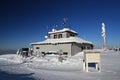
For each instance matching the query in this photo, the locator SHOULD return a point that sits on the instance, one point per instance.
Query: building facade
(65, 41)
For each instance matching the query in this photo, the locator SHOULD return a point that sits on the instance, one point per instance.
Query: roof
(63, 40)
(63, 30)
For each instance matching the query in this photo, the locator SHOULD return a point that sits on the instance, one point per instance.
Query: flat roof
(63, 40)
(63, 30)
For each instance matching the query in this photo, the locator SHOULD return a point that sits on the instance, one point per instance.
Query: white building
(64, 41)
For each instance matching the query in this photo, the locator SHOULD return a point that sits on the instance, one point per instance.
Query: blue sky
(24, 21)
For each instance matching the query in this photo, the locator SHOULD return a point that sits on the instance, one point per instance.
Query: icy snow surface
(13, 67)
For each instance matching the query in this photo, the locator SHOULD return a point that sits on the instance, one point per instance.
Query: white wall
(52, 47)
(76, 48)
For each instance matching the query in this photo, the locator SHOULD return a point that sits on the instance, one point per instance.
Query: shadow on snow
(10, 76)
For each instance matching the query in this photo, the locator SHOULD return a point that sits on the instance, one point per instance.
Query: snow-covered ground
(13, 67)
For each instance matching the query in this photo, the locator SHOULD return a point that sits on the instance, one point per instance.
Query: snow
(63, 30)
(11, 57)
(13, 67)
(64, 40)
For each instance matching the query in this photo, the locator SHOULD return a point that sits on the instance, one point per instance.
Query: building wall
(70, 48)
(65, 47)
(87, 46)
(63, 35)
(76, 48)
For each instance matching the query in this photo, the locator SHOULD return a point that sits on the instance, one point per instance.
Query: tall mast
(104, 36)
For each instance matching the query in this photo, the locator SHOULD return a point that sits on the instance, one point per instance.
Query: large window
(60, 36)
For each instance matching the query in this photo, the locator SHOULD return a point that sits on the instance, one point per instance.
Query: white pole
(104, 36)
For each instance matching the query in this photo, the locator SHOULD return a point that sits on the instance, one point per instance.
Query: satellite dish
(46, 37)
(53, 30)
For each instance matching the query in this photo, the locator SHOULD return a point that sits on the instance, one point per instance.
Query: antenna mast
(46, 32)
(64, 22)
(104, 35)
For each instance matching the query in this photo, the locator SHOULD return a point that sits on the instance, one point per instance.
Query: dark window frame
(37, 47)
(55, 36)
(60, 36)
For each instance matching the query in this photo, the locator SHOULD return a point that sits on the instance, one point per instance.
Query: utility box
(91, 57)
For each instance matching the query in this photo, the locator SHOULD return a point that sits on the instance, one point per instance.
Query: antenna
(64, 22)
(46, 32)
(56, 27)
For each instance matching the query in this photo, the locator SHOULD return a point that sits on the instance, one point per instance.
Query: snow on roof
(63, 40)
(63, 30)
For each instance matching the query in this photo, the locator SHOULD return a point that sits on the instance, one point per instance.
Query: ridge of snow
(63, 30)
(11, 57)
(63, 40)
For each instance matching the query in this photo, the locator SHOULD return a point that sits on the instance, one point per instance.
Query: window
(65, 53)
(60, 36)
(37, 47)
(67, 35)
(55, 36)
(72, 35)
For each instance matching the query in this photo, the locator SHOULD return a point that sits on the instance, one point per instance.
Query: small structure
(60, 58)
(24, 52)
(91, 57)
